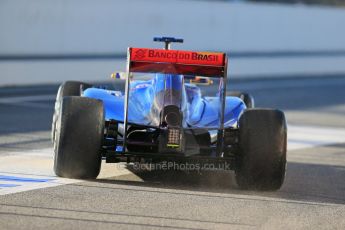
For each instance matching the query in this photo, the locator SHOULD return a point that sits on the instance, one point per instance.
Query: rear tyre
(261, 160)
(68, 88)
(246, 98)
(79, 136)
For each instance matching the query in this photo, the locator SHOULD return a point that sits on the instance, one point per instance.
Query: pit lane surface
(312, 197)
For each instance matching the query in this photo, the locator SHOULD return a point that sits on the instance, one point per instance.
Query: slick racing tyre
(68, 88)
(79, 136)
(261, 161)
(246, 98)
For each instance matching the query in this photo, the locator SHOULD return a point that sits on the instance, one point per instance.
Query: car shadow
(304, 183)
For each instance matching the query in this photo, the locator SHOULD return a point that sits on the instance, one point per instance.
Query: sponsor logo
(160, 54)
(204, 57)
(177, 56)
(140, 54)
(195, 56)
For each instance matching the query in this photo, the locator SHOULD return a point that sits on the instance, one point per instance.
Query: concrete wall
(110, 26)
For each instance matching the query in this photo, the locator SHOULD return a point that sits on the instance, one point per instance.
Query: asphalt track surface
(312, 197)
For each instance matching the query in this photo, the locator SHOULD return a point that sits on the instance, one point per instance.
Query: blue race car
(174, 108)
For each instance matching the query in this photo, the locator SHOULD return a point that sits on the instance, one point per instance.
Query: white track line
(300, 137)
(27, 182)
(30, 170)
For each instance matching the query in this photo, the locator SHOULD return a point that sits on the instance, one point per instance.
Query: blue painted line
(23, 179)
(8, 185)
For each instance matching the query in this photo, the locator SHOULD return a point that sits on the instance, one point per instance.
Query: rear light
(173, 138)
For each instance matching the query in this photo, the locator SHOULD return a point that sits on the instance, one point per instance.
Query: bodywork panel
(201, 111)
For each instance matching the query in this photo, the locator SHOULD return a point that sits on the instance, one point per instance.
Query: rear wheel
(68, 88)
(261, 160)
(79, 136)
(246, 98)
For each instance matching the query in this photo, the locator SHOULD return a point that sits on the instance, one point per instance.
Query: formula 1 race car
(174, 108)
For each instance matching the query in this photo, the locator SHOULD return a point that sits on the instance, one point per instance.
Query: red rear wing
(177, 62)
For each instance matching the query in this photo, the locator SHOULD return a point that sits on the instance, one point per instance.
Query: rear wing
(208, 64)
(183, 62)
